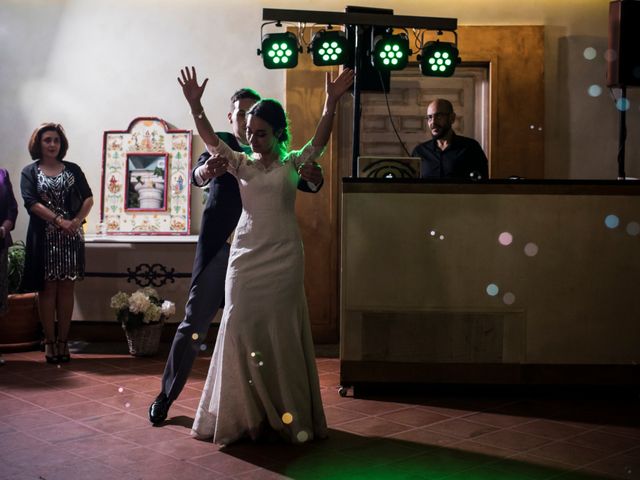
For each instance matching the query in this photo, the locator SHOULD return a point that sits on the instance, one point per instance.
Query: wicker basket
(144, 341)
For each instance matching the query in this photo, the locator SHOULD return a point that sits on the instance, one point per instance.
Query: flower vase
(144, 340)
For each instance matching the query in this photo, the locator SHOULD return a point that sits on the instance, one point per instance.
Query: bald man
(448, 155)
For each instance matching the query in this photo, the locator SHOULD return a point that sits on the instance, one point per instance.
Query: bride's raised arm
(193, 93)
(335, 89)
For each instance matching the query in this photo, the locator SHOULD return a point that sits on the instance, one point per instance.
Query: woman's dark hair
(35, 142)
(271, 111)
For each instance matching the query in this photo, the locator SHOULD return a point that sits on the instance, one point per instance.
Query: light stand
(359, 20)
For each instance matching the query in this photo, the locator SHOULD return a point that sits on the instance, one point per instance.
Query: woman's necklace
(51, 169)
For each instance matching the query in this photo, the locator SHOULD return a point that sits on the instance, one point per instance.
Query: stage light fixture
(390, 52)
(330, 48)
(438, 59)
(279, 50)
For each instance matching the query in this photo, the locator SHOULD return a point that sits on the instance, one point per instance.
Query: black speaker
(623, 57)
(371, 80)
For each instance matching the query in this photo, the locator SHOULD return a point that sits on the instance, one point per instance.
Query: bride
(262, 381)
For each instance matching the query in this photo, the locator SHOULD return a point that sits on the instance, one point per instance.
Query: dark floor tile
(373, 426)
(604, 441)
(65, 432)
(549, 429)
(512, 440)
(458, 427)
(84, 410)
(617, 466)
(576, 455)
(414, 417)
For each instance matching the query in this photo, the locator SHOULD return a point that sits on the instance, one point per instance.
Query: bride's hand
(336, 88)
(190, 88)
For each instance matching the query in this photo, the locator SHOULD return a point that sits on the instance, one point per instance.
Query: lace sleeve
(235, 158)
(306, 154)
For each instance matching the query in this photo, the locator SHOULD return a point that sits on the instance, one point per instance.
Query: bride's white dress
(263, 376)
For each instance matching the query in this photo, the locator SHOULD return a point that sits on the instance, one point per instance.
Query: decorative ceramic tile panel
(146, 188)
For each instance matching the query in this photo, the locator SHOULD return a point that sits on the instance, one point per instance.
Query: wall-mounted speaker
(623, 57)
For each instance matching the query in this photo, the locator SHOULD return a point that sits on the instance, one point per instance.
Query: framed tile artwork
(146, 188)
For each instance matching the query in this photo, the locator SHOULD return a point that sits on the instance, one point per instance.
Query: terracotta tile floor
(88, 420)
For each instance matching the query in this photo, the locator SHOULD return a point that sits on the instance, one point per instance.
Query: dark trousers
(205, 296)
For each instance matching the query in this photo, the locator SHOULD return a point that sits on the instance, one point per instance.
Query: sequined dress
(262, 381)
(63, 253)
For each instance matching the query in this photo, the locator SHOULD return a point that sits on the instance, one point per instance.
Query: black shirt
(462, 159)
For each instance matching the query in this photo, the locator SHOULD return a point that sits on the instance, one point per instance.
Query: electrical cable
(386, 98)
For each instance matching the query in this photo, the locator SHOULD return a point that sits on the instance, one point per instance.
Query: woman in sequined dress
(58, 198)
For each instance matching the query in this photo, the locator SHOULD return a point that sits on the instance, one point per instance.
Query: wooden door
(410, 94)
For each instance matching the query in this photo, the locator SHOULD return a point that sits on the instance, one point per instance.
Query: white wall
(94, 65)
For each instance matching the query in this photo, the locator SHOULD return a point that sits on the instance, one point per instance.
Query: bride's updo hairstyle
(271, 111)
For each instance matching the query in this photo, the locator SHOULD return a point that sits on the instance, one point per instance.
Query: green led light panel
(280, 50)
(439, 59)
(330, 48)
(391, 52)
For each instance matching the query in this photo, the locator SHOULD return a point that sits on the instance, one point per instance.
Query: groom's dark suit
(206, 293)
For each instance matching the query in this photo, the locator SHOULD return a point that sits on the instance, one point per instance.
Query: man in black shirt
(448, 155)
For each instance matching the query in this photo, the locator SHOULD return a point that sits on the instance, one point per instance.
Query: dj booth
(495, 282)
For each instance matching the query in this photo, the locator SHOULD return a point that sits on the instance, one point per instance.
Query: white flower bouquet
(142, 307)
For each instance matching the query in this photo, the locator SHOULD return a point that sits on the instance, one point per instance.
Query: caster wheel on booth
(342, 391)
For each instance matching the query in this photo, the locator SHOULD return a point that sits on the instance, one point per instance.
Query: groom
(219, 219)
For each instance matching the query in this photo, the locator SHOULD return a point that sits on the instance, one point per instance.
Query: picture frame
(146, 188)
(145, 182)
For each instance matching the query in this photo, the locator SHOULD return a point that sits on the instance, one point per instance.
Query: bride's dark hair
(271, 111)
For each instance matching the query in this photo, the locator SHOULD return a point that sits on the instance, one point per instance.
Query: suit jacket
(8, 205)
(222, 209)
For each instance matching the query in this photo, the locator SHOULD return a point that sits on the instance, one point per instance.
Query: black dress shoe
(64, 356)
(158, 409)
(53, 359)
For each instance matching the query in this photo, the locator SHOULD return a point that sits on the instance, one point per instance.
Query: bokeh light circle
(595, 90)
(633, 228)
(531, 249)
(509, 298)
(492, 289)
(610, 55)
(612, 221)
(287, 418)
(623, 104)
(256, 359)
(590, 53)
(505, 238)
